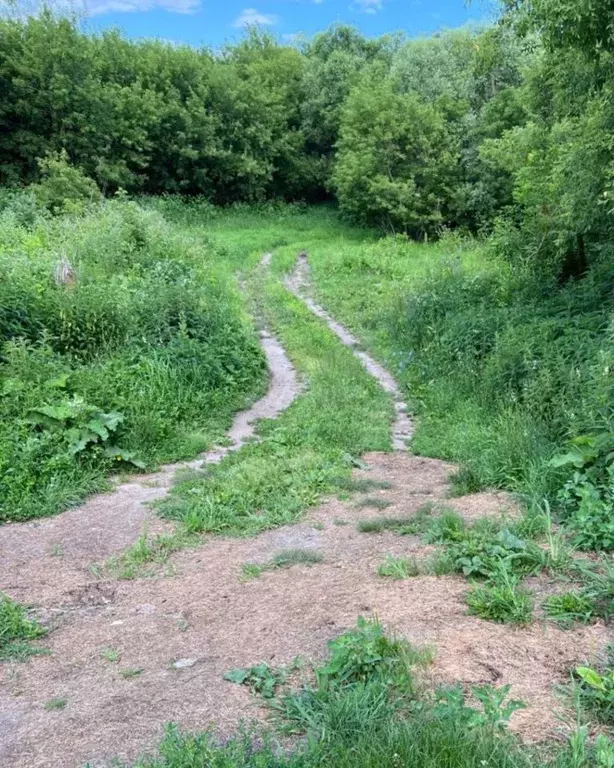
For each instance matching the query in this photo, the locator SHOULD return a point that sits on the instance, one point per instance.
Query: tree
(396, 162)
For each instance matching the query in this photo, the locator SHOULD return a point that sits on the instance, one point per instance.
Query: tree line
(507, 129)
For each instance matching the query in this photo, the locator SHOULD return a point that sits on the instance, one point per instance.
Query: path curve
(35, 555)
(299, 284)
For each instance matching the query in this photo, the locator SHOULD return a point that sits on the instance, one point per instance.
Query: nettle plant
(588, 496)
(85, 428)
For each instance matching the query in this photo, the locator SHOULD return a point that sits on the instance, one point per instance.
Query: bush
(64, 188)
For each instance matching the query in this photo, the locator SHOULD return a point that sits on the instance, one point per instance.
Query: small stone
(184, 663)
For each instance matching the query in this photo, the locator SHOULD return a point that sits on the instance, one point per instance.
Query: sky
(214, 22)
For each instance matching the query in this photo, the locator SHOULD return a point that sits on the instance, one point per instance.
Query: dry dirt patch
(206, 615)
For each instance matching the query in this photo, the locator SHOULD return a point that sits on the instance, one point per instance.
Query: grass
(154, 349)
(373, 502)
(111, 655)
(501, 601)
(365, 707)
(16, 631)
(308, 451)
(55, 705)
(568, 608)
(398, 568)
(418, 523)
(128, 673)
(287, 558)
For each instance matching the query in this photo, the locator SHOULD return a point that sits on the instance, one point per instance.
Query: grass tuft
(16, 630)
(398, 568)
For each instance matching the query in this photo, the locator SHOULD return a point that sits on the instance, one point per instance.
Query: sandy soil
(184, 631)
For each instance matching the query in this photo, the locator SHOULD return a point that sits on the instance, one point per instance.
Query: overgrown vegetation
(122, 345)
(305, 452)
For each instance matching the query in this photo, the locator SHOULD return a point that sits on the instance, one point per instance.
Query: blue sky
(213, 22)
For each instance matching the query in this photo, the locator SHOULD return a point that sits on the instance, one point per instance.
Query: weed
(147, 552)
(398, 567)
(361, 484)
(260, 679)
(596, 692)
(250, 571)
(465, 481)
(129, 672)
(448, 526)
(440, 563)
(54, 705)
(110, 655)
(405, 526)
(373, 502)
(501, 600)
(568, 608)
(290, 557)
(16, 629)
(287, 558)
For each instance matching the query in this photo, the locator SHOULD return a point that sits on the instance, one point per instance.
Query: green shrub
(64, 188)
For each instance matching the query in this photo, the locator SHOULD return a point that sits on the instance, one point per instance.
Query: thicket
(120, 345)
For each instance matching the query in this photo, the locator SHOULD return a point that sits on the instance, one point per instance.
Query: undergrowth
(122, 344)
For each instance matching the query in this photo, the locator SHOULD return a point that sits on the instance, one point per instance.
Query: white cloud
(100, 7)
(82, 8)
(250, 17)
(369, 6)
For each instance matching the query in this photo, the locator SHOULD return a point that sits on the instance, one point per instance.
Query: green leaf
(237, 675)
(95, 425)
(51, 415)
(591, 678)
(81, 440)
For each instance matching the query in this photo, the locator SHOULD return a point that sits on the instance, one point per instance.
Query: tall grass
(148, 326)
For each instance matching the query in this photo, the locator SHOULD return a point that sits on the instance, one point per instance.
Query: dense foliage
(119, 346)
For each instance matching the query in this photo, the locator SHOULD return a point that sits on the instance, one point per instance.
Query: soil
(183, 632)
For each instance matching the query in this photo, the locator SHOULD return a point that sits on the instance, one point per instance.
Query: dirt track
(206, 618)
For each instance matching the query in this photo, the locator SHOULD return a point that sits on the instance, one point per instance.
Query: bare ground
(206, 615)
(208, 620)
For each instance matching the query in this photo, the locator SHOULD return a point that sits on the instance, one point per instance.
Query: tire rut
(300, 285)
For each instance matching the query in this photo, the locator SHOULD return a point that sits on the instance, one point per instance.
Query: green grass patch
(308, 451)
(398, 568)
(373, 502)
(55, 705)
(501, 600)
(16, 630)
(128, 673)
(287, 558)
